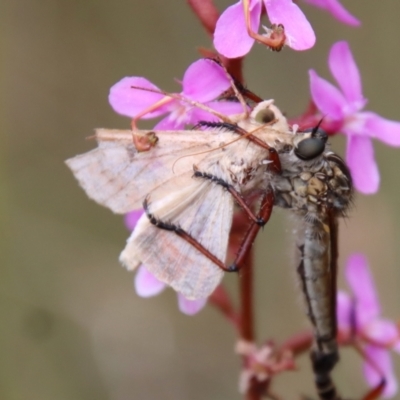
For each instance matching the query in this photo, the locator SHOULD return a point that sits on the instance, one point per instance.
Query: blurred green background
(71, 325)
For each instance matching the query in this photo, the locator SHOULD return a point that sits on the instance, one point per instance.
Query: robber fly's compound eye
(265, 116)
(313, 146)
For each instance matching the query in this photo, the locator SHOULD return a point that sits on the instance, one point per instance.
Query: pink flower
(359, 318)
(203, 81)
(147, 285)
(261, 363)
(336, 9)
(132, 218)
(343, 109)
(231, 37)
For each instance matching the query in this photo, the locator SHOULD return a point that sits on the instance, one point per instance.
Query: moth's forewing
(117, 176)
(202, 209)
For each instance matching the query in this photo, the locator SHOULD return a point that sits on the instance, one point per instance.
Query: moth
(188, 180)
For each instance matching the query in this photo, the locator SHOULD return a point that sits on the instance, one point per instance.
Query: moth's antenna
(178, 96)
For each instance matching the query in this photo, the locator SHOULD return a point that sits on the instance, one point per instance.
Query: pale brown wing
(117, 176)
(204, 210)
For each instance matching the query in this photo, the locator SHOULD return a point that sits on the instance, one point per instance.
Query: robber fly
(316, 187)
(188, 182)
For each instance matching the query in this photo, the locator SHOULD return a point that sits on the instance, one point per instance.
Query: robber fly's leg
(238, 88)
(235, 194)
(184, 235)
(273, 155)
(258, 220)
(264, 213)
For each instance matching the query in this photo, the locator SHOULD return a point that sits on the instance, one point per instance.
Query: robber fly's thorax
(311, 186)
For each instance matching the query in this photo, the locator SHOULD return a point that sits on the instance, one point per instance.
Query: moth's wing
(204, 210)
(117, 176)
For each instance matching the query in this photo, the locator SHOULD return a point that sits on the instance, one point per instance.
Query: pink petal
(383, 360)
(230, 36)
(204, 81)
(360, 280)
(382, 331)
(396, 347)
(327, 97)
(190, 307)
(344, 310)
(132, 218)
(224, 107)
(146, 284)
(382, 129)
(361, 161)
(337, 10)
(299, 33)
(202, 115)
(170, 123)
(345, 71)
(130, 102)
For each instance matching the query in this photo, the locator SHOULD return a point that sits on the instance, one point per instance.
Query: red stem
(206, 12)
(208, 15)
(246, 299)
(221, 300)
(247, 316)
(298, 343)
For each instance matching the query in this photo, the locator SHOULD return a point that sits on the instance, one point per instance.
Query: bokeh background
(71, 325)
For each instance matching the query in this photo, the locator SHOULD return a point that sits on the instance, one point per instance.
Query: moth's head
(310, 143)
(267, 113)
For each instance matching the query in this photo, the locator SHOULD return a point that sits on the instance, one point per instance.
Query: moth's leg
(235, 194)
(264, 213)
(273, 155)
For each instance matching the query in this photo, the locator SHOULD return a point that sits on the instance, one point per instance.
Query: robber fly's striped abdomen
(317, 191)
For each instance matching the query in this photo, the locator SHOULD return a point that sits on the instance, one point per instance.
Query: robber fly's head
(310, 143)
(315, 177)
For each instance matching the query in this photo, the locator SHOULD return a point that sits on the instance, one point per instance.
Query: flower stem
(208, 15)
(221, 300)
(246, 299)
(206, 12)
(247, 317)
